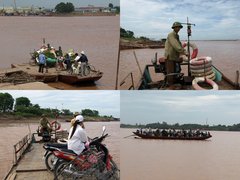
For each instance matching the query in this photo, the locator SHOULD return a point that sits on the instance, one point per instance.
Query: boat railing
(131, 87)
(21, 146)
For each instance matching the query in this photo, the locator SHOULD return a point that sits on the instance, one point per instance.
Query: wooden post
(138, 63)
(237, 79)
(116, 85)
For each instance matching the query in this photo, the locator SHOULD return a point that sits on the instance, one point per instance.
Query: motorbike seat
(56, 145)
(68, 151)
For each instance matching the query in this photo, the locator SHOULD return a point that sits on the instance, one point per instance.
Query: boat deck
(32, 165)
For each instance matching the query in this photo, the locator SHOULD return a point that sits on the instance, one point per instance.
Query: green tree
(117, 9)
(66, 112)
(23, 101)
(89, 112)
(64, 8)
(110, 5)
(6, 102)
(126, 34)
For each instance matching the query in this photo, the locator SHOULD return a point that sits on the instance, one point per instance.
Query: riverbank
(137, 43)
(11, 118)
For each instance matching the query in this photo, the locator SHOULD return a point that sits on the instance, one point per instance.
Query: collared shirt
(78, 140)
(83, 58)
(173, 47)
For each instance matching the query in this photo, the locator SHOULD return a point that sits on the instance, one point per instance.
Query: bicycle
(88, 69)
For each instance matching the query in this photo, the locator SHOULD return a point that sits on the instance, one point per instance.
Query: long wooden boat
(144, 136)
(76, 79)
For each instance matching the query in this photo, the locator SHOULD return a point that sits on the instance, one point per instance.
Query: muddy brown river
(97, 36)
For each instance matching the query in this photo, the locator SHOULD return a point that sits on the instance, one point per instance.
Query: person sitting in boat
(77, 136)
(173, 50)
(157, 132)
(42, 62)
(84, 60)
(164, 133)
(44, 124)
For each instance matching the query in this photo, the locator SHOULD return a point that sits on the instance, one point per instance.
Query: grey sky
(214, 19)
(53, 3)
(213, 107)
(106, 102)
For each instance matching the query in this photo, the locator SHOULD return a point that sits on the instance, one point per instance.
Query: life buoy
(55, 125)
(194, 49)
(202, 79)
(202, 74)
(201, 66)
(201, 70)
(201, 61)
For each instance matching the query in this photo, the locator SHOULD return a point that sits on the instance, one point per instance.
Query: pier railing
(21, 147)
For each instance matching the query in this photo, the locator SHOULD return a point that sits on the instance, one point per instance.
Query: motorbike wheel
(64, 170)
(49, 160)
(115, 172)
(112, 174)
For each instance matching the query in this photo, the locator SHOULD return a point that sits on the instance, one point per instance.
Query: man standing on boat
(84, 60)
(173, 49)
(42, 61)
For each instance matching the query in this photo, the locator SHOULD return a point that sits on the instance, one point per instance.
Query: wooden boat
(76, 79)
(28, 162)
(145, 136)
(147, 82)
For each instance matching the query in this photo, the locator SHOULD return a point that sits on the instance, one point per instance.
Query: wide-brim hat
(82, 52)
(177, 24)
(76, 113)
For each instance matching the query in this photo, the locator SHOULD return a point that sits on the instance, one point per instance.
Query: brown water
(225, 55)
(97, 36)
(217, 158)
(11, 133)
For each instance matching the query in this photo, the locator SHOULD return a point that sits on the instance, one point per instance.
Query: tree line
(164, 125)
(130, 35)
(22, 107)
(68, 7)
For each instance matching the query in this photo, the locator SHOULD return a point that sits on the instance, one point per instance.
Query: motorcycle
(50, 159)
(94, 162)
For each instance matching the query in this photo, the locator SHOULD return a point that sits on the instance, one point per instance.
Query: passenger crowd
(173, 132)
(72, 62)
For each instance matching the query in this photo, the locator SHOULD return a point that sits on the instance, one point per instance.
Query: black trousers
(41, 67)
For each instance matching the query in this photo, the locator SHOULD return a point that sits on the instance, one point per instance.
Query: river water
(12, 133)
(225, 55)
(217, 158)
(98, 36)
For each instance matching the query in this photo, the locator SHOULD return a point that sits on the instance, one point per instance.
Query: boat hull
(171, 138)
(76, 79)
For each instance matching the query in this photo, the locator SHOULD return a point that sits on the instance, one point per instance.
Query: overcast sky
(200, 107)
(106, 102)
(53, 3)
(214, 19)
